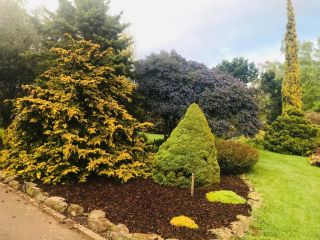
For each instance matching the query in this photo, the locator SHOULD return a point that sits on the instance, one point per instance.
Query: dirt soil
(146, 207)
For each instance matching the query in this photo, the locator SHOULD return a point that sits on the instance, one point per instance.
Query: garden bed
(146, 207)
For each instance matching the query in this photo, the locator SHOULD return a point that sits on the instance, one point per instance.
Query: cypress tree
(291, 133)
(291, 87)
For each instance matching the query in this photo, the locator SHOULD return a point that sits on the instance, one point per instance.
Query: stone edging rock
(58, 208)
(238, 229)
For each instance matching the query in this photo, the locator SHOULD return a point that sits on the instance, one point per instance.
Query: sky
(210, 31)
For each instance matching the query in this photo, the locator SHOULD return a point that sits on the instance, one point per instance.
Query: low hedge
(235, 157)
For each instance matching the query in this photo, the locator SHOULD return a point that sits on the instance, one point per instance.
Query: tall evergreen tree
(90, 20)
(291, 86)
(291, 133)
(95, 23)
(17, 35)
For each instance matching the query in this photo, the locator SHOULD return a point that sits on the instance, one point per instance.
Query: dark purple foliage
(168, 84)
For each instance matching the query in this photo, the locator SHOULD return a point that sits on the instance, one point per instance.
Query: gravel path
(20, 220)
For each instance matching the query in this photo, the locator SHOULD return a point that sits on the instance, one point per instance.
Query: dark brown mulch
(146, 207)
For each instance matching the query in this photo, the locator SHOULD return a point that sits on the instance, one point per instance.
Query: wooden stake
(192, 185)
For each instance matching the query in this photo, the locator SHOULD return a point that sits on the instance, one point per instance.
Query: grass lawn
(151, 137)
(291, 194)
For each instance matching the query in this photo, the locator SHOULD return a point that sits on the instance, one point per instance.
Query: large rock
(9, 179)
(56, 203)
(2, 176)
(120, 232)
(41, 197)
(222, 233)
(121, 228)
(141, 236)
(75, 210)
(15, 184)
(97, 221)
(114, 235)
(31, 189)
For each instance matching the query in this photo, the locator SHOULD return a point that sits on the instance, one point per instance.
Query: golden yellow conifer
(74, 123)
(291, 87)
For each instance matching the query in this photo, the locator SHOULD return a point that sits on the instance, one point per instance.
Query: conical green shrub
(189, 149)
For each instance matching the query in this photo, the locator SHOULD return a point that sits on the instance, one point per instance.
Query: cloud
(50, 4)
(209, 31)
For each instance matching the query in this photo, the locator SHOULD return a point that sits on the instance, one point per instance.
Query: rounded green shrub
(189, 149)
(235, 157)
(225, 196)
(292, 133)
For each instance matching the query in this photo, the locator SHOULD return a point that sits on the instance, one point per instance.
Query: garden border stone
(238, 229)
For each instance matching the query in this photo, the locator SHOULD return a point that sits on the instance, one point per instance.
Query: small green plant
(292, 133)
(189, 149)
(235, 157)
(183, 221)
(225, 196)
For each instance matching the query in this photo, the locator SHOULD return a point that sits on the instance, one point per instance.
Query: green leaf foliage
(72, 123)
(240, 68)
(309, 56)
(292, 133)
(271, 87)
(189, 149)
